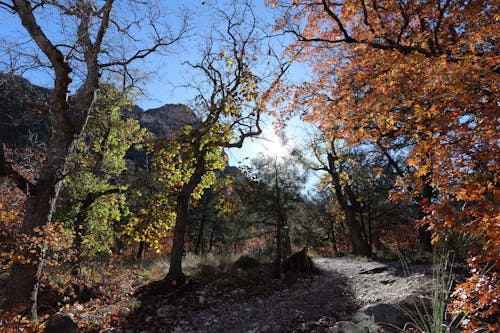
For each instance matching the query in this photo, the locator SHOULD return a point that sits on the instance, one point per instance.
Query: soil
(297, 304)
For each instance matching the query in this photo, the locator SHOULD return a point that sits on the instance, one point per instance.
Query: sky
(166, 72)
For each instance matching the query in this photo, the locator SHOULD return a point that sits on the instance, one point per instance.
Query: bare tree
(93, 33)
(231, 98)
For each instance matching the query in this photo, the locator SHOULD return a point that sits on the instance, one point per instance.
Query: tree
(93, 200)
(276, 202)
(327, 215)
(229, 104)
(425, 70)
(89, 50)
(346, 197)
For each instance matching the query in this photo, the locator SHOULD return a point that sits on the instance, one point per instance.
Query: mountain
(162, 122)
(24, 111)
(25, 107)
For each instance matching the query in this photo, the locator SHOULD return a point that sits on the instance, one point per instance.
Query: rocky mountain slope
(24, 111)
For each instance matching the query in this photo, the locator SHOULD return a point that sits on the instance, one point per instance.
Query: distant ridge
(24, 111)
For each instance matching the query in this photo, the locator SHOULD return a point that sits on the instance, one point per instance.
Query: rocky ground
(301, 304)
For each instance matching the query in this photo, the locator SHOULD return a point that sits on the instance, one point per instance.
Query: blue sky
(166, 73)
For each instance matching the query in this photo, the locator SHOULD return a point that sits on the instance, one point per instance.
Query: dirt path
(314, 304)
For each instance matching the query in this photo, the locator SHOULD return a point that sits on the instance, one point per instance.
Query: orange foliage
(422, 71)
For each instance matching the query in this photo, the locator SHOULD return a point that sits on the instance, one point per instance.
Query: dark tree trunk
(370, 238)
(212, 235)
(175, 270)
(279, 225)
(363, 227)
(182, 207)
(198, 249)
(359, 244)
(424, 235)
(332, 231)
(40, 204)
(140, 251)
(287, 246)
(65, 128)
(278, 256)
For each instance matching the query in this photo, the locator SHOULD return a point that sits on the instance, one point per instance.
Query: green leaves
(92, 197)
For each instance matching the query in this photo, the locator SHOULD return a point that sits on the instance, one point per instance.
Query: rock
(300, 262)
(61, 323)
(246, 263)
(345, 327)
(207, 270)
(389, 315)
(374, 270)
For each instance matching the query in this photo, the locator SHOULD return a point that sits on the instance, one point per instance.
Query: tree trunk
(198, 249)
(287, 246)
(370, 236)
(363, 227)
(182, 207)
(332, 231)
(140, 251)
(359, 244)
(424, 235)
(41, 201)
(212, 234)
(279, 225)
(278, 256)
(40, 204)
(175, 270)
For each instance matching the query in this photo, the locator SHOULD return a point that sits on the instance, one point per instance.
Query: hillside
(24, 111)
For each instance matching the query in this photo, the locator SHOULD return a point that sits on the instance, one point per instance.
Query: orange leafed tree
(425, 72)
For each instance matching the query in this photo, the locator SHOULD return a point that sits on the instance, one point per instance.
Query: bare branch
(7, 6)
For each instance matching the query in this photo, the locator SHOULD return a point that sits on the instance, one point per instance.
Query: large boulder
(61, 323)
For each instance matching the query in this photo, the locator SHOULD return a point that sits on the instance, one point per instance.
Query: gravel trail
(309, 305)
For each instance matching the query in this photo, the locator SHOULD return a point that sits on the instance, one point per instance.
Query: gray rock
(374, 270)
(60, 323)
(389, 315)
(246, 263)
(345, 327)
